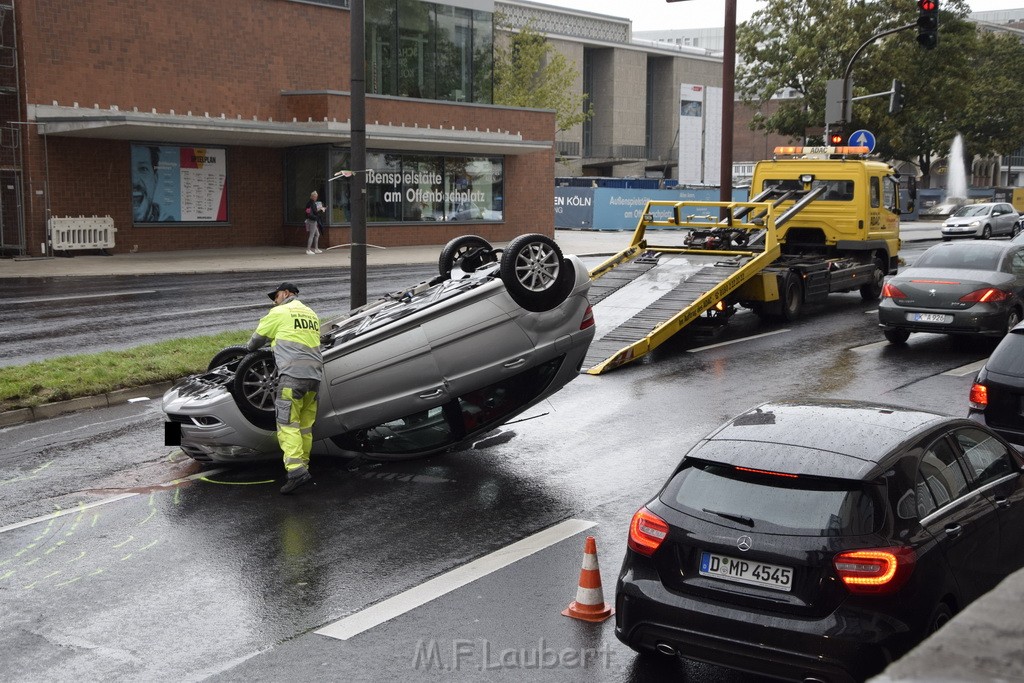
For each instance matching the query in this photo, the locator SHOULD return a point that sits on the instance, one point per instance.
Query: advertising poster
(179, 184)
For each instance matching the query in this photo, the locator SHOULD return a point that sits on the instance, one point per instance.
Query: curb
(45, 411)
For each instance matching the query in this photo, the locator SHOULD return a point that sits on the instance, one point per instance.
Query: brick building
(197, 124)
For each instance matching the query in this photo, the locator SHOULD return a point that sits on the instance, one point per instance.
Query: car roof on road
(829, 438)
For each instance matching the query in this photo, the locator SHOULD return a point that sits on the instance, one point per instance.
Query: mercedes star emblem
(744, 543)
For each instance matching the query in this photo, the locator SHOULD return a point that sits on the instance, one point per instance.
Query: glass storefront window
(430, 51)
(399, 187)
(454, 39)
(415, 49)
(305, 169)
(380, 21)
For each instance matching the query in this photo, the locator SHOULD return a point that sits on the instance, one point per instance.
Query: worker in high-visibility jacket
(293, 330)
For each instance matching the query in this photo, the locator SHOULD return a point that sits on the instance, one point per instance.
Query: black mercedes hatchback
(820, 540)
(997, 396)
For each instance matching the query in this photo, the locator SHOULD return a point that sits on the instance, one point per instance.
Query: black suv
(820, 540)
(997, 396)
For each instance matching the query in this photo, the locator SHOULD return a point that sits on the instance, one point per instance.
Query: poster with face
(172, 183)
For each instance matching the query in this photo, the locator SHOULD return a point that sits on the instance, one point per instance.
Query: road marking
(48, 299)
(868, 347)
(736, 341)
(398, 605)
(965, 370)
(105, 501)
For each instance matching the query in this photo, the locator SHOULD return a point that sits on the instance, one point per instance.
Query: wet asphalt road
(71, 315)
(220, 578)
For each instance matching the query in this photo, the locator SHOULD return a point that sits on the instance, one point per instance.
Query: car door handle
(433, 394)
(1002, 502)
(515, 363)
(953, 530)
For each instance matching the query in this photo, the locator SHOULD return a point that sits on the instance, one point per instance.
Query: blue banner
(609, 208)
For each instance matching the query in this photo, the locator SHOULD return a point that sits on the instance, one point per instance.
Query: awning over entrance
(114, 124)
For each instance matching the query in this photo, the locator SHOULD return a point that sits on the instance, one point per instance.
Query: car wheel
(792, 298)
(476, 248)
(940, 617)
(535, 274)
(1012, 319)
(897, 335)
(227, 356)
(1015, 231)
(873, 290)
(986, 232)
(255, 387)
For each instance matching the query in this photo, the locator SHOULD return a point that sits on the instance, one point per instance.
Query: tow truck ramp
(703, 259)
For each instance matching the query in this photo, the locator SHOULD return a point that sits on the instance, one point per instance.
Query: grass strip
(67, 377)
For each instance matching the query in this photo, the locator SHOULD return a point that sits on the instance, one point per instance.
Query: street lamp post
(357, 111)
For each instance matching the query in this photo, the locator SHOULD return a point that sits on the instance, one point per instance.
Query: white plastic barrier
(67, 234)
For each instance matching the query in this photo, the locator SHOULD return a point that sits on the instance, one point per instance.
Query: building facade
(196, 124)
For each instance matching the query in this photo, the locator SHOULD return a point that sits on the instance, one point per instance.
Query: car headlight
(975, 224)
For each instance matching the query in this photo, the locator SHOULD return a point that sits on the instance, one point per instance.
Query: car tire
(1015, 231)
(939, 618)
(1013, 318)
(255, 387)
(873, 290)
(226, 356)
(459, 248)
(535, 273)
(792, 298)
(986, 232)
(897, 335)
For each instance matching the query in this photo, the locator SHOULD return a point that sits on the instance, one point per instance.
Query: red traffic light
(835, 139)
(928, 5)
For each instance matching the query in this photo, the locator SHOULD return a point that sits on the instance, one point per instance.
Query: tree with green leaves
(529, 72)
(968, 84)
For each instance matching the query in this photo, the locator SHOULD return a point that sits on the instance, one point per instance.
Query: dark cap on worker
(283, 287)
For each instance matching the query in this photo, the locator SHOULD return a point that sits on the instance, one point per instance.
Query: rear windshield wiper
(728, 515)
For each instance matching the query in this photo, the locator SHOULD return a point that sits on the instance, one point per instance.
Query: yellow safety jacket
(293, 330)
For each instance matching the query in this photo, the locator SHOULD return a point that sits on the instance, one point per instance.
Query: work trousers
(295, 407)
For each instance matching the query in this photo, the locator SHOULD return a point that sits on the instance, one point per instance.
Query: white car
(980, 221)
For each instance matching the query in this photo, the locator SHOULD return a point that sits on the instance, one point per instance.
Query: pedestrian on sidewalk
(315, 211)
(293, 331)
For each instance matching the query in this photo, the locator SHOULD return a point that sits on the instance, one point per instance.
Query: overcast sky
(650, 15)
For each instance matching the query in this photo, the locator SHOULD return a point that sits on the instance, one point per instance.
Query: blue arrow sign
(863, 138)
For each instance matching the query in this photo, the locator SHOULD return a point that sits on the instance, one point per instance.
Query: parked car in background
(418, 372)
(980, 221)
(997, 395)
(956, 288)
(1018, 226)
(820, 540)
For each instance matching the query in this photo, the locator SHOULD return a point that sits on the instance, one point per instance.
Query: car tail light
(979, 396)
(890, 291)
(768, 472)
(875, 570)
(588, 318)
(986, 295)
(646, 532)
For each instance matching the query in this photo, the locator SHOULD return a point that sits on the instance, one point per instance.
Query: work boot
(303, 477)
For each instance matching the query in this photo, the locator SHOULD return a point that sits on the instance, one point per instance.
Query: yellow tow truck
(822, 220)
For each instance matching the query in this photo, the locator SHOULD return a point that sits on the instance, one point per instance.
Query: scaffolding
(12, 216)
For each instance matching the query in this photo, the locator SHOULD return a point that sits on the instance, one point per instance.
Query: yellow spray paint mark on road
(8, 575)
(125, 542)
(149, 545)
(76, 559)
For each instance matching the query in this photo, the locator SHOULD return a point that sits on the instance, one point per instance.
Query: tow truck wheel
(535, 273)
(897, 335)
(792, 298)
(476, 248)
(255, 387)
(873, 289)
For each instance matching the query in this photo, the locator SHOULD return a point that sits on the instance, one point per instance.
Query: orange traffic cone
(589, 604)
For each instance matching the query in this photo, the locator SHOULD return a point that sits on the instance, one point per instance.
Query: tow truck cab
(859, 211)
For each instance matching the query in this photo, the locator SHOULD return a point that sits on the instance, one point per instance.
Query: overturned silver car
(420, 371)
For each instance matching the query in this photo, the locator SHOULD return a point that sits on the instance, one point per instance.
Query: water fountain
(956, 185)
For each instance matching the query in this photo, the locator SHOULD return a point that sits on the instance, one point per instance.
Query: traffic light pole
(845, 117)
